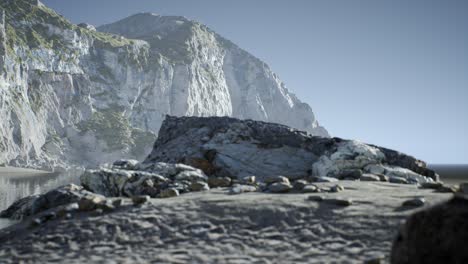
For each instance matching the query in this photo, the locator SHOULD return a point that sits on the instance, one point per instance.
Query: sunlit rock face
(72, 95)
(229, 147)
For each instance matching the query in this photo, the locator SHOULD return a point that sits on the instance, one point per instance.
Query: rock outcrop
(223, 146)
(434, 235)
(72, 95)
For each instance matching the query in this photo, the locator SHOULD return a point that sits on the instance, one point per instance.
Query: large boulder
(223, 146)
(434, 235)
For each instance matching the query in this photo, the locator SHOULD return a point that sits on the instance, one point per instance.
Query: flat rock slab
(215, 227)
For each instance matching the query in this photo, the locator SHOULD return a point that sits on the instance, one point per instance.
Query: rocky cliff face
(72, 95)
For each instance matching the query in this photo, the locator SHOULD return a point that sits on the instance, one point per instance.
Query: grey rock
(279, 187)
(448, 188)
(248, 180)
(399, 180)
(310, 188)
(431, 185)
(353, 174)
(199, 186)
(240, 188)
(369, 177)
(434, 235)
(140, 199)
(340, 201)
(324, 179)
(274, 179)
(125, 164)
(215, 182)
(91, 202)
(168, 193)
(416, 202)
(299, 185)
(337, 188)
(315, 198)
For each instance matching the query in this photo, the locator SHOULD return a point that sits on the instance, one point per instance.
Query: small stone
(324, 179)
(383, 178)
(199, 186)
(337, 188)
(299, 185)
(369, 177)
(315, 198)
(417, 202)
(36, 221)
(448, 189)
(310, 188)
(399, 180)
(279, 187)
(274, 179)
(68, 216)
(117, 202)
(98, 211)
(215, 182)
(354, 174)
(248, 180)
(431, 185)
(240, 188)
(169, 192)
(340, 201)
(140, 199)
(90, 203)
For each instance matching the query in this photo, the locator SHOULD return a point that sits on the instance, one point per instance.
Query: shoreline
(21, 172)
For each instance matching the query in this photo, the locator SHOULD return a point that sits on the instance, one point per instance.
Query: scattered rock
(315, 198)
(350, 174)
(248, 180)
(169, 192)
(369, 177)
(434, 235)
(240, 188)
(448, 189)
(324, 179)
(299, 185)
(125, 164)
(337, 188)
(141, 199)
(310, 188)
(431, 185)
(417, 202)
(340, 201)
(399, 180)
(279, 187)
(275, 179)
(91, 202)
(117, 202)
(199, 186)
(215, 182)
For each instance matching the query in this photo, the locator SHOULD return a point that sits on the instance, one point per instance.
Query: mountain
(71, 94)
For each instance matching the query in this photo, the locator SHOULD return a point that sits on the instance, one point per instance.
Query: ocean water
(451, 173)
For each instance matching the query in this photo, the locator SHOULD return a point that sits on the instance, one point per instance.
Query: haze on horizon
(391, 73)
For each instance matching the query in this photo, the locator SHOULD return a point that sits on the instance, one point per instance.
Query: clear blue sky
(392, 73)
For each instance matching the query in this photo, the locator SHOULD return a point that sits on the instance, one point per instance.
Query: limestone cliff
(72, 95)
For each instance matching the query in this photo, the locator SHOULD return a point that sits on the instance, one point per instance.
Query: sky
(391, 73)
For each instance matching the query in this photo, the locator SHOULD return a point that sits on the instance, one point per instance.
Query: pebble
(199, 186)
(340, 201)
(310, 188)
(274, 179)
(315, 198)
(399, 180)
(337, 188)
(325, 179)
(140, 199)
(417, 202)
(299, 185)
(240, 188)
(169, 192)
(249, 180)
(279, 187)
(431, 185)
(369, 177)
(215, 182)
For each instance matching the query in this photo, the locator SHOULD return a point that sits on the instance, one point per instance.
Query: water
(451, 173)
(19, 183)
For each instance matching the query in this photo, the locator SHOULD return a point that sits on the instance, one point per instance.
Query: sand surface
(215, 227)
